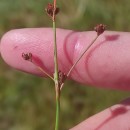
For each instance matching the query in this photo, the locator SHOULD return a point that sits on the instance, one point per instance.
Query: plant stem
(56, 79)
(42, 70)
(55, 54)
(81, 56)
(57, 106)
(45, 72)
(56, 75)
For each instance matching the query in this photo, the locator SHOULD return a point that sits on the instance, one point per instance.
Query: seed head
(27, 56)
(62, 77)
(100, 28)
(51, 10)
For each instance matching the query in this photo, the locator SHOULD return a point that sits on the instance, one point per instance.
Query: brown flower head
(51, 11)
(100, 28)
(62, 77)
(27, 56)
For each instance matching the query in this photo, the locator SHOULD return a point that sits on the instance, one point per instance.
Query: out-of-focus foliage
(28, 102)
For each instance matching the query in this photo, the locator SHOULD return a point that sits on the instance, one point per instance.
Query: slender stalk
(57, 107)
(55, 54)
(81, 55)
(55, 45)
(56, 79)
(56, 76)
(54, 3)
(45, 72)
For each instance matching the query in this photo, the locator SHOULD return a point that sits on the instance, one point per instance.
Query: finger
(116, 117)
(106, 64)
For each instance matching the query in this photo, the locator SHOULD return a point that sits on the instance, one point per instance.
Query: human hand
(106, 64)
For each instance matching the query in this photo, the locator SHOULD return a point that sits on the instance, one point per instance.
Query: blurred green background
(28, 102)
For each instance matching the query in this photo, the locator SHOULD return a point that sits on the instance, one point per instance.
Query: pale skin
(106, 64)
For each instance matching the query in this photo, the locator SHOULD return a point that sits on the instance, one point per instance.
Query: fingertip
(16, 42)
(39, 42)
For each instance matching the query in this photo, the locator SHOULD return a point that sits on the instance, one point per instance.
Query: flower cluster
(51, 11)
(100, 28)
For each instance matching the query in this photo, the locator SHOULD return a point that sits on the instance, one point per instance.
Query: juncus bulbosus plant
(59, 77)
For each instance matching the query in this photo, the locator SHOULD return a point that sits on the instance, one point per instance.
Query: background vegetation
(26, 101)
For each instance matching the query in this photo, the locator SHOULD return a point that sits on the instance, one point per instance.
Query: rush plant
(59, 77)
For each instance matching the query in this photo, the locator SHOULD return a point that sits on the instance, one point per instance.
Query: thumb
(116, 117)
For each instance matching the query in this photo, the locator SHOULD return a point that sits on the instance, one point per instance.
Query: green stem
(57, 108)
(81, 56)
(56, 75)
(56, 79)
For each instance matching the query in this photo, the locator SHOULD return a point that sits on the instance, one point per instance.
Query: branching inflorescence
(59, 77)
